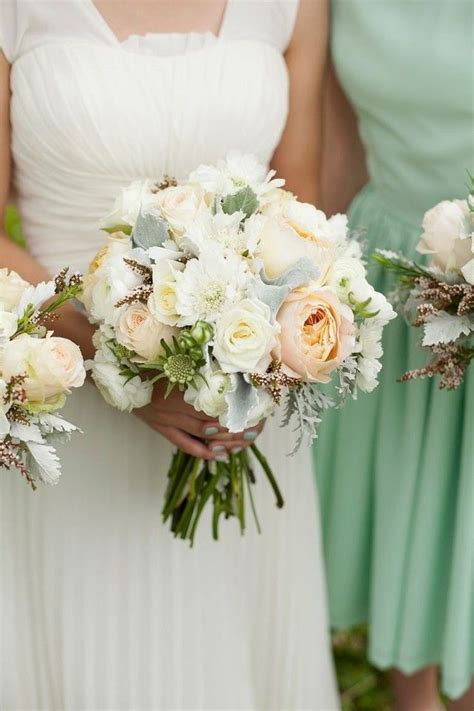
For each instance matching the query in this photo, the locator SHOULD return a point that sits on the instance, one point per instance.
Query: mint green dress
(395, 468)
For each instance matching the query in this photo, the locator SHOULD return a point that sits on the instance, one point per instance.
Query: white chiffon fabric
(100, 607)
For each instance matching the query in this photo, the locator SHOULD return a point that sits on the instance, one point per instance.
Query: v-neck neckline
(106, 26)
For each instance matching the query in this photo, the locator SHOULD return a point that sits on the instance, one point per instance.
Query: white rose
(139, 331)
(245, 337)
(132, 199)
(299, 230)
(209, 397)
(180, 205)
(444, 227)
(12, 287)
(114, 388)
(52, 365)
(275, 202)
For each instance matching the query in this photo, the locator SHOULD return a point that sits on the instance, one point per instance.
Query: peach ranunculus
(317, 333)
(138, 330)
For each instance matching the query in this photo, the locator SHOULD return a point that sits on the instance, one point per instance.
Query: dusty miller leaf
(43, 462)
(240, 400)
(274, 292)
(445, 328)
(243, 201)
(149, 231)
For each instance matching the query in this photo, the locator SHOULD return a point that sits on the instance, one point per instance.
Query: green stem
(266, 468)
(204, 498)
(174, 500)
(248, 478)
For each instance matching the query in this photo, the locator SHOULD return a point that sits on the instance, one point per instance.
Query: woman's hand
(193, 432)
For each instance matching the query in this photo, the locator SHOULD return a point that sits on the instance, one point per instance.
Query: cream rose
(244, 338)
(443, 228)
(299, 231)
(317, 333)
(12, 287)
(52, 365)
(138, 330)
(162, 302)
(180, 205)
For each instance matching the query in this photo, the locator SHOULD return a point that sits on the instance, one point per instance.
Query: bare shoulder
(310, 33)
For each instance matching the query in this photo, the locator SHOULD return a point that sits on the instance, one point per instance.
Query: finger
(189, 424)
(183, 441)
(175, 403)
(218, 447)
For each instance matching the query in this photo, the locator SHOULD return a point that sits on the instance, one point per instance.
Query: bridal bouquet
(37, 371)
(230, 289)
(440, 298)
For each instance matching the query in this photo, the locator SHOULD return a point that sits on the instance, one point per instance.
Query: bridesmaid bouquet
(230, 289)
(440, 298)
(37, 371)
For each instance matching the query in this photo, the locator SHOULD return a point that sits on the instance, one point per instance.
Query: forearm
(71, 323)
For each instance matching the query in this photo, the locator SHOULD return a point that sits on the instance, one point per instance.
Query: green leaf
(126, 229)
(245, 201)
(149, 231)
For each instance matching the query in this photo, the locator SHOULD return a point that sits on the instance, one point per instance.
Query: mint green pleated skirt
(396, 482)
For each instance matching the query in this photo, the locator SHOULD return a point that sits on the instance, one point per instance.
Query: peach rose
(317, 333)
(138, 330)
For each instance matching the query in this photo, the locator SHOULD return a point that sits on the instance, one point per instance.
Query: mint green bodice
(415, 107)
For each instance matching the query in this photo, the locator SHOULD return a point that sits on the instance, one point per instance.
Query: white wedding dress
(101, 608)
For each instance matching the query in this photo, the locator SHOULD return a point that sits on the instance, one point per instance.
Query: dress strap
(269, 21)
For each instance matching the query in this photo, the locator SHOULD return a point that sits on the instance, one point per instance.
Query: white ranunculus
(209, 397)
(52, 365)
(139, 331)
(135, 197)
(245, 337)
(114, 388)
(347, 277)
(162, 302)
(208, 286)
(444, 228)
(180, 205)
(12, 287)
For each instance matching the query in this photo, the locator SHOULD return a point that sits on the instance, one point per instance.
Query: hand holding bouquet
(440, 298)
(37, 371)
(228, 288)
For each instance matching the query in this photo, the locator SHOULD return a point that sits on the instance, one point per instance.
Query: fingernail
(250, 436)
(218, 448)
(222, 459)
(209, 431)
(236, 450)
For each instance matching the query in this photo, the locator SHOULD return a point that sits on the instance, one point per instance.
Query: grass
(362, 687)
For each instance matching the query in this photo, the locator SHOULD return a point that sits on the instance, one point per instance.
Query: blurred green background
(362, 687)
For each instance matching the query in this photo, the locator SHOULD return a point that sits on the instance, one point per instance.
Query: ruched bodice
(89, 118)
